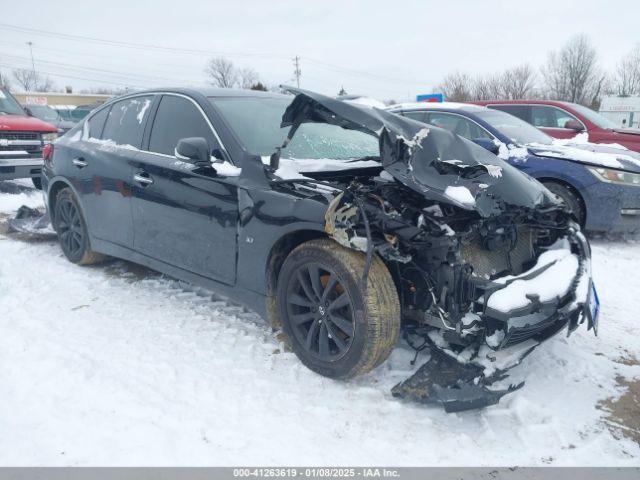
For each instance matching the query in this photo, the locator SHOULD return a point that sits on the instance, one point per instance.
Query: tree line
(572, 74)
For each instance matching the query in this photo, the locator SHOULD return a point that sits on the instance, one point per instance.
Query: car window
(256, 121)
(549, 117)
(457, 124)
(96, 123)
(177, 118)
(419, 116)
(126, 120)
(523, 112)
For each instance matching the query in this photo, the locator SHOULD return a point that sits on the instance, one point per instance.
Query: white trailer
(622, 110)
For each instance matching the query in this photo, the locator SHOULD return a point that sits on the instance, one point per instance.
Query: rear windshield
(256, 123)
(518, 131)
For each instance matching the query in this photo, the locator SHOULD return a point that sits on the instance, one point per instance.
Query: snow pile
(416, 141)
(511, 151)
(582, 139)
(225, 169)
(553, 282)
(461, 195)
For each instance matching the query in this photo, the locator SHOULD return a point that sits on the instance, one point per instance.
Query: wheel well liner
(573, 189)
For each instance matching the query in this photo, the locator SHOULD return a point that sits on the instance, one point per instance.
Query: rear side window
(523, 112)
(177, 118)
(96, 123)
(126, 121)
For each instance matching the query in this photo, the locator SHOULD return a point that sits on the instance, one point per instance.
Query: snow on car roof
(434, 105)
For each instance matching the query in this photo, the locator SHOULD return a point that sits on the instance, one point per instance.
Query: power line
(143, 46)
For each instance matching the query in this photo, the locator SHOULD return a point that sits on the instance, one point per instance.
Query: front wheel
(335, 328)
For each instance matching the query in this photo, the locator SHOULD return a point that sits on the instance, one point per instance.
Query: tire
(333, 328)
(570, 199)
(37, 182)
(72, 230)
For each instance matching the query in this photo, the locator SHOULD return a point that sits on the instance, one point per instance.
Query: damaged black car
(345, 225)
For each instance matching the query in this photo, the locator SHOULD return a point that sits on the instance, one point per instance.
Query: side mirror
(487, 144)
(28, 111)
(193, 150)
(574, 125)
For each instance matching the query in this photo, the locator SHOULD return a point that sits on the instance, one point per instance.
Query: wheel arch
(569, 186)
(277, 255)
(54, 188)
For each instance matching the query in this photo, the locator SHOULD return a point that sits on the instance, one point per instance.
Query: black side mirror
(487, 144)
(194, 150)
(574, 125)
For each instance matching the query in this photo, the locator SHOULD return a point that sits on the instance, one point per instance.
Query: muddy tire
(71, 228)
(333, 327)
(570, 199)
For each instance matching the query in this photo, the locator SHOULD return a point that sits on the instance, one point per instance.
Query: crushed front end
(485, 259)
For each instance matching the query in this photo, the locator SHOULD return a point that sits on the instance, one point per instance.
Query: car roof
(522, 102)
(210, 92)
(435, 106)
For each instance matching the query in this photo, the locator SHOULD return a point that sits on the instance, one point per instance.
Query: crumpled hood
(442, 166)
(598, 155)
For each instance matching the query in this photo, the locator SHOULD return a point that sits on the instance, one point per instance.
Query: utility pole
(33, 64)
(297, 72)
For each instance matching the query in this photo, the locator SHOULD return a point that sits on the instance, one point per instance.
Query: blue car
(600, 183)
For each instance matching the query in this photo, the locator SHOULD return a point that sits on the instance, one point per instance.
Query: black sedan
(340, 223)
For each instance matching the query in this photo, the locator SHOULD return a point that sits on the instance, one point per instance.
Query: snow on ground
(117, 365)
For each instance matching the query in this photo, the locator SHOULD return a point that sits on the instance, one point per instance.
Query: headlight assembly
(615, 176)
(49, 137)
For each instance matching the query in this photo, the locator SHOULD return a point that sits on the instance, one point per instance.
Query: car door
(184, 216)
(111, 139)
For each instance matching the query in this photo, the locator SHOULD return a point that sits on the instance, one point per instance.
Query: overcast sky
(390, 49)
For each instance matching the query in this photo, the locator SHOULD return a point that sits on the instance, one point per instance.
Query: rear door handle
(143, 178)
(79, 162)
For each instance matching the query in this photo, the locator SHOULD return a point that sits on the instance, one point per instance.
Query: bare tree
(627, 76)
(572, 74)
(221, 72)
(32, 81)
(4, 80)
(247, 77)
(457, 87)
(487, 88)
(518, 82)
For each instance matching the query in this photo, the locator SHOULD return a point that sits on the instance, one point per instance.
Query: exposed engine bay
(484, 258)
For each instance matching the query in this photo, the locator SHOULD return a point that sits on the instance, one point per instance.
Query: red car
(22, 139)
(566, 120)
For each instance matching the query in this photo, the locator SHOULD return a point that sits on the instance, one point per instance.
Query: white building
(623, 110)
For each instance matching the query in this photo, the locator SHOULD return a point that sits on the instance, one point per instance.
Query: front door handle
(143, 178)
(79, 162)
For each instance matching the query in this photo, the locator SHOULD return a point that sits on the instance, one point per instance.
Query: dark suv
(341, 223)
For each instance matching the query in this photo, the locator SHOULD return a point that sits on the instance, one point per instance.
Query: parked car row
(24, 133)
(601, 184)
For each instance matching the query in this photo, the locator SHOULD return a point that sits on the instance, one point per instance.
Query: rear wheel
(335, 328)
(72, 230)
(570, 199)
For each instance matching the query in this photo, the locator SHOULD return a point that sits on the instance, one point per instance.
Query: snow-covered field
(116, 365)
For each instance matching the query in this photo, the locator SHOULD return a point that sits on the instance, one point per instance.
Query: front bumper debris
(456, 386)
